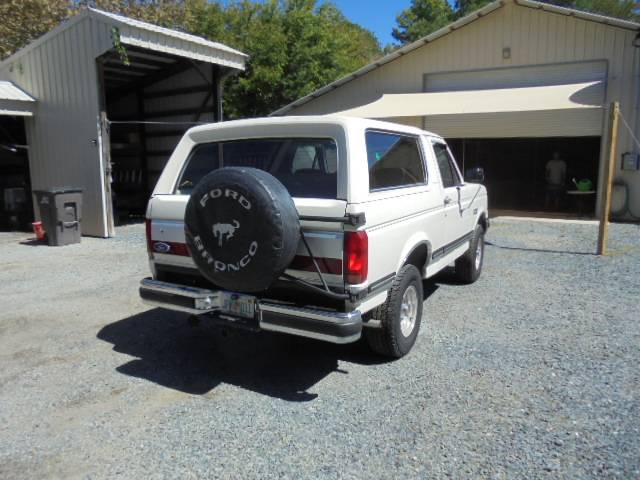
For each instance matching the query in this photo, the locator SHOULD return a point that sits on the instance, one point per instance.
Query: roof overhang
(523, 99)
(155, 38)
(15, 101)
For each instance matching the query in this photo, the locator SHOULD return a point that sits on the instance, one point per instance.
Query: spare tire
(242, 228)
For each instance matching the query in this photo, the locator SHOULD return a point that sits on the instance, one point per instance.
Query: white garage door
(530, 123)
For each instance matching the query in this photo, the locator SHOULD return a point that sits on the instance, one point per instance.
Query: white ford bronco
(318, 226)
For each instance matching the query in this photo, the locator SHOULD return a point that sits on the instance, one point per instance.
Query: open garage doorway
(16, 208)
(150, 99)
(515, 173)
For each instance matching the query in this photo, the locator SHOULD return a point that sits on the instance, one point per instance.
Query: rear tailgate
(320, 223)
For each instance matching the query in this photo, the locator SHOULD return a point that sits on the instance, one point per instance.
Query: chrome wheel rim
(479, 250)
(409, 310)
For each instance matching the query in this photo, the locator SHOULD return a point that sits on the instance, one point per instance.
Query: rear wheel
(399, 316)
(469, 265)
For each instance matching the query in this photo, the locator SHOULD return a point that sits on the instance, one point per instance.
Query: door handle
(447, 200)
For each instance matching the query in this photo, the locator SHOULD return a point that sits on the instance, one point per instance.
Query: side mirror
(475, 175)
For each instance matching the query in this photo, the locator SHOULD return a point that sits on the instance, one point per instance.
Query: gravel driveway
(532, 372)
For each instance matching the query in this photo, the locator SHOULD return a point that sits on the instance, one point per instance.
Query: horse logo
(224, 231)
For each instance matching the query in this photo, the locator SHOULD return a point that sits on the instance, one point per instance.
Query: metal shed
(507, 86)
(112, 97)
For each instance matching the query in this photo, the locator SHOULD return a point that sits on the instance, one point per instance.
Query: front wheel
(469, 265)
(399, 316)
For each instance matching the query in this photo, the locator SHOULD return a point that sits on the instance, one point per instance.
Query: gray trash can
(61, 214)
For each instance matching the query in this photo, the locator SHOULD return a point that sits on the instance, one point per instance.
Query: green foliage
(117, 44)
(26, 20)
(422, 18)
(295, 47)
(625, 9)
(426, 16)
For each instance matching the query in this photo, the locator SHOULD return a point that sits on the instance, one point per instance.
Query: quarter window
(448, 172)
(394, 160)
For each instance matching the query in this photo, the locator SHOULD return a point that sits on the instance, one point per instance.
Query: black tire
(389, 340)
(242, 228)
(468, 269)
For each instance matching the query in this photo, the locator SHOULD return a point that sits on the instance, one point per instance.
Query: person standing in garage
(555, 175)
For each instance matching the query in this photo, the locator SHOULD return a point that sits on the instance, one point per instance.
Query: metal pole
(106, 158)
(605, 207)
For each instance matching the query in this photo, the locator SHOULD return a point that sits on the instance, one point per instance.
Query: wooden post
(605, 202)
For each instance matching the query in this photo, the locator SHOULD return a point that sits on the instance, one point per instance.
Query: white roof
(141, 34)
(8, 91)
(14, 101)
(114, 17)
(472, 17)
(538, 98)
(333, 119)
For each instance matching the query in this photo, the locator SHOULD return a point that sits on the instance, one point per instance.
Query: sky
(379, 16)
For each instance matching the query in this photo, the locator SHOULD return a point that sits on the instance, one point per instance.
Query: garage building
(99, 103)
(508, 86)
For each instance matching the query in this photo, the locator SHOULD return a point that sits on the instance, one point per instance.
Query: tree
(625, 9)
(25, 20)
(295, 47)
(421, 18)
(426, 16)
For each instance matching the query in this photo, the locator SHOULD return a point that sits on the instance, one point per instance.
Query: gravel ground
(532, 372)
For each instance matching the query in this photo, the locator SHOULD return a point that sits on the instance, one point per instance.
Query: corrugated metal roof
(8, 91)
(152, 37)
(164, 31)
(15, 101)
(487, 9)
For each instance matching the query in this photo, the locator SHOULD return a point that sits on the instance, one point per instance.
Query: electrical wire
(138, 122)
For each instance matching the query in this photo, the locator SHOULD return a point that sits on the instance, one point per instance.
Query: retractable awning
(14, 101)
(524, 99)
(551, 110)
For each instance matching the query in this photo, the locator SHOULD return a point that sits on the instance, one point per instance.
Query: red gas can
(38, 230)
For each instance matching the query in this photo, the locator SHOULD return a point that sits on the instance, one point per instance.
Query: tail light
(356, 257)
(157, 246)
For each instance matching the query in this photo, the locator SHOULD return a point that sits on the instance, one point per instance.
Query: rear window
(394, 160)
(307, 167)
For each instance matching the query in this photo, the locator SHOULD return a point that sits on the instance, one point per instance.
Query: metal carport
(97, 67)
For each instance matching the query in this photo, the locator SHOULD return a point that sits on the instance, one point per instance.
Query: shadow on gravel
(34, 243)
(196, 359)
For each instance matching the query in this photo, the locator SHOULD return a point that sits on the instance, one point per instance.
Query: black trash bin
(61, 214)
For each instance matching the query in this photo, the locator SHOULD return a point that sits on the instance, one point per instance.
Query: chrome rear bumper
(327, 325)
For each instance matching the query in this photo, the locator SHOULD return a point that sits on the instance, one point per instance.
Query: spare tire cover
(242, 228)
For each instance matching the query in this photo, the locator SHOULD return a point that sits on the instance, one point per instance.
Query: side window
(448, 172)
(394, 160)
